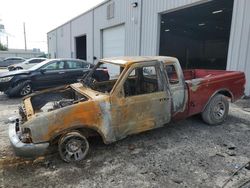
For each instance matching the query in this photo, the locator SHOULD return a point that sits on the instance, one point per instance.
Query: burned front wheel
(73, 147)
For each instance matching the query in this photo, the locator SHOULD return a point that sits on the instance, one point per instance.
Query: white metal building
(212, 34)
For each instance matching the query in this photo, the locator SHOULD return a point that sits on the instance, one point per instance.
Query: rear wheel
(73, 147)
(216, 111)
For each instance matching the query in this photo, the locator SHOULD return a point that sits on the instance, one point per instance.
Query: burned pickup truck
(142, 93)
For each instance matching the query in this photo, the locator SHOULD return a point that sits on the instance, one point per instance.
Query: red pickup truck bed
(202, 85)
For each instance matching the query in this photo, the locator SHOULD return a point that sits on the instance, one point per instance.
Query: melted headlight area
(25, 135)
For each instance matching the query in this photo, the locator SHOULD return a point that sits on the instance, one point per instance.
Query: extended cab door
(142, 101)
(177, 86)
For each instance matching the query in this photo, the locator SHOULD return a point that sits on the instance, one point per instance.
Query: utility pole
(7, 40)
(1, 30)
(24, 32)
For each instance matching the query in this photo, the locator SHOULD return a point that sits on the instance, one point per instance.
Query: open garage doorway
(81, 47)
(199, 35)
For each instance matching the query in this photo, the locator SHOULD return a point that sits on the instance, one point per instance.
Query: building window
(111, 11)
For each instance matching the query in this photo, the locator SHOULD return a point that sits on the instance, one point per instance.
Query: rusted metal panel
(140, 113)
(87, 114)
(28, 108)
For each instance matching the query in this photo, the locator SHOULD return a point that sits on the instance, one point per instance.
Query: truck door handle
(61, 72)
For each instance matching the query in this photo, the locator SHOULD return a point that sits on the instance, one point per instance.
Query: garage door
(113, 46)
(113, 41)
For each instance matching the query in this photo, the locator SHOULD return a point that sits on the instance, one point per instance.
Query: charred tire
(216, 110)
(21, 89)
(73, 147)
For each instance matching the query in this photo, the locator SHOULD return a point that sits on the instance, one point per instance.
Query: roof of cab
(129, 60)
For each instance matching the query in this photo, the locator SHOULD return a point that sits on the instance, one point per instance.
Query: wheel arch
(86, 130)
(225, 92)
(18, 80)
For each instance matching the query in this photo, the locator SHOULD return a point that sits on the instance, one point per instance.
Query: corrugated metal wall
(142, 30)
(239, 47)
(91, 24)
(124, 14)
(59, 42)
(52, 44)
(151, 10)
(83, 25)
(63, 41)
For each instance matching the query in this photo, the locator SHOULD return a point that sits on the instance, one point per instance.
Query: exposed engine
(52, 100)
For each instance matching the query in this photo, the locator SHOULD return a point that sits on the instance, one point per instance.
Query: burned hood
(84, 90)
(52, 99)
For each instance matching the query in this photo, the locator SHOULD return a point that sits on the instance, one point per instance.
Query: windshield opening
(103, 77)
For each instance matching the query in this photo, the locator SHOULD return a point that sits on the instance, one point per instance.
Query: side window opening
(173, 76)
(73, 65)
(86, 65)
(142, 80)
(55, 66)
(32, 61)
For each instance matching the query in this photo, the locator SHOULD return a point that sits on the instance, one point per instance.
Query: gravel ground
(188, 153)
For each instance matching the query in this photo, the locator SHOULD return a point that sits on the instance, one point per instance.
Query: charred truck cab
(142, 93)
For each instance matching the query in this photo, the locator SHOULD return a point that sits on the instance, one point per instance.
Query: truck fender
(87, 130)
(224, 91)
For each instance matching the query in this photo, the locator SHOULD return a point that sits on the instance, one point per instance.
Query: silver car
(26, 64)
(11, 60)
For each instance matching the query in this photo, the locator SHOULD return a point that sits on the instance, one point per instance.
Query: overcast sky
(40, 17)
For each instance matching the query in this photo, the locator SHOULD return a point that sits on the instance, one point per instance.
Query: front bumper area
(4, 86)
(25, 150)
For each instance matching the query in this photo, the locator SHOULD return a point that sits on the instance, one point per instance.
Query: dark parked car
(11, 60)
(49, 73)
(26, 64)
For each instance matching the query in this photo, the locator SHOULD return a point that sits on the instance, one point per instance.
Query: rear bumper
(21, 149)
